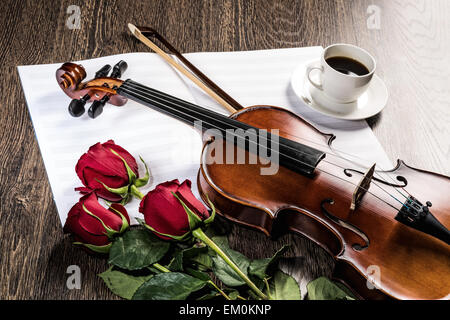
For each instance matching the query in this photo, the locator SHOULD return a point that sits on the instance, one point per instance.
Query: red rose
(171, 211)
(94, 226)
(109, 170)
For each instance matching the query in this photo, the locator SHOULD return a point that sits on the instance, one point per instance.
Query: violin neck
(177, 108)
(291, 154)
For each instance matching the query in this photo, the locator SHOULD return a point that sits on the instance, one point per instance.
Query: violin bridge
(362, 187)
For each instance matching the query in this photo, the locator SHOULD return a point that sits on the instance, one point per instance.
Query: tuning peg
(76, 106)
(118, 69)
(103, 72)
(97, 107)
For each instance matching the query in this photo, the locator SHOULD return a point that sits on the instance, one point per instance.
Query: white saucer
(369, 104)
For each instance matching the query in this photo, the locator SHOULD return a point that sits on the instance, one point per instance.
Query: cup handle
(308, 72)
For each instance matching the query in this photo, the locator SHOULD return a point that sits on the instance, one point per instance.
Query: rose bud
(110, 171)
(171, 211)
(94, 226)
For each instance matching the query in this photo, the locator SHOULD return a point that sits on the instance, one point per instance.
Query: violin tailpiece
(418, 216)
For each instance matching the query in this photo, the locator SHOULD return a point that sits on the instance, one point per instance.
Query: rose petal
(121, 209)
(92, 224)
(111, 182)
(102, 161)
(109, 196)
(163, 212)
(72, 218)
(83, 190)
(130, 160)
(80, 234)
(185, 194)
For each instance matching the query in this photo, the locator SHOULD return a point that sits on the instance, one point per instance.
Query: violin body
(367, 243)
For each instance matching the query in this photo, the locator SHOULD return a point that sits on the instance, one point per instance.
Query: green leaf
(198, 274)
(183, 256)
(168, 286)
(196, 249)
(283, 287)
(176, 264)
(122, 284)
(222, 270)
(260, 267)
(221, 241)
(144, 180)
(324, 289)
(350, 295)
(99, 249)
(233, 294)
(202, 261)
(137, 249)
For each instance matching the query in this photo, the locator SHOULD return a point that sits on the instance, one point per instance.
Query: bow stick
(210, 88)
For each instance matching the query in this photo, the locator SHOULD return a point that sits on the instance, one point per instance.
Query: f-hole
(346, 225)
(402, 179)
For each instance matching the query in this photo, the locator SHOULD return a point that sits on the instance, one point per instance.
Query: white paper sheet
(170, 148)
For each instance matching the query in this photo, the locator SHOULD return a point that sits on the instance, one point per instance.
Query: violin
(388, 227)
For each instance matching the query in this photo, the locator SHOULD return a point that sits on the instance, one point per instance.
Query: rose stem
(135, 192)
(219, 290)
(160, 267)
(199, 234)
(164, 269)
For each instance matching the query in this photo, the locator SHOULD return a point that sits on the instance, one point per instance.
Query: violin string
(377, 172)
(164, 98)
(194, 107)
(328, 153)
(376, 196)
(134, 92)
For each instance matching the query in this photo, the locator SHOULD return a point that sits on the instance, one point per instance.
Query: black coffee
(347, 65)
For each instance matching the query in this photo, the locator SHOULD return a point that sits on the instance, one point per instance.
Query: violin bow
(192, 73)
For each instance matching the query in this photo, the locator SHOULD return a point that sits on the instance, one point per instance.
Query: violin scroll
(99, 91)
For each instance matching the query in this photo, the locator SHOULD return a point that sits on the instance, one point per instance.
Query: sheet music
(170, 148)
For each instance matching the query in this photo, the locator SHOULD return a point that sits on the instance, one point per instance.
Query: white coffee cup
(338, 86)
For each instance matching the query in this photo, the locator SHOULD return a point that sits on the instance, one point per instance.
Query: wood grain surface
(411, 47)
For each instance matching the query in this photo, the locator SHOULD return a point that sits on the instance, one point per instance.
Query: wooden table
(410, 41)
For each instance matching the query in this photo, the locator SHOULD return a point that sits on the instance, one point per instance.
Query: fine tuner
(70, 77)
